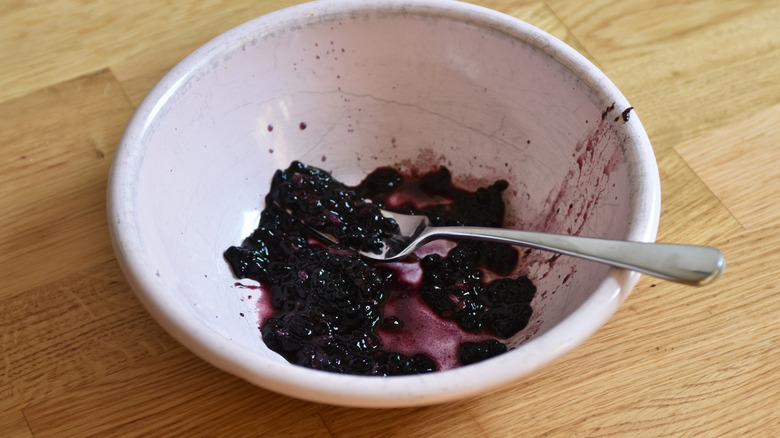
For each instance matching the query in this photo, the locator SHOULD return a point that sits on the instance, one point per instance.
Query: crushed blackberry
(453, 286)
(328, 302)
(396, 363)
(392, 323)
(381, 181)
(473, 352)
(325, 204)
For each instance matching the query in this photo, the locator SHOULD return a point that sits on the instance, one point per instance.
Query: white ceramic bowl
(384, 82)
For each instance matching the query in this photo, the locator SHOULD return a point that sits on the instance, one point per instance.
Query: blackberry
(473, 352)
(399, 364)
(327, 205)
(380, 181)
(437, 183)
(455, 289)
(451, 286)
(327, 301)
(392, 323)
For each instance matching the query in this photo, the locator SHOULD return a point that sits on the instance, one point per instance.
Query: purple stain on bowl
(607, 111)
(302, 126)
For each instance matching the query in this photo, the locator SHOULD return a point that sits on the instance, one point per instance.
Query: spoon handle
(689, 264)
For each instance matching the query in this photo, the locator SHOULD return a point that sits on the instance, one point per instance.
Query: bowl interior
(488, 97)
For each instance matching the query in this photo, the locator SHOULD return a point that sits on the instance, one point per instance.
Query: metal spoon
(689, 264)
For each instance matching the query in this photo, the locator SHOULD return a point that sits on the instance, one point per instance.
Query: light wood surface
(81, 357)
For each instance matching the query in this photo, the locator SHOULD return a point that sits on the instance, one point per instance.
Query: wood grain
(57, 148)
(176, 394)
(62, 39)
(81, 357)
(14, 425)
(737, 160)
(696, 65)
(73, 331)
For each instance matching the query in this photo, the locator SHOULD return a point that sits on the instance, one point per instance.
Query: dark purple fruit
(328, 301)
(473, 352)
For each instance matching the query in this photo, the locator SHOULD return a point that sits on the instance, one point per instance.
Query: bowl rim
(372, 391)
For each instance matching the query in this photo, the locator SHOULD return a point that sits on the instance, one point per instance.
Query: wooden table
(81, 357)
